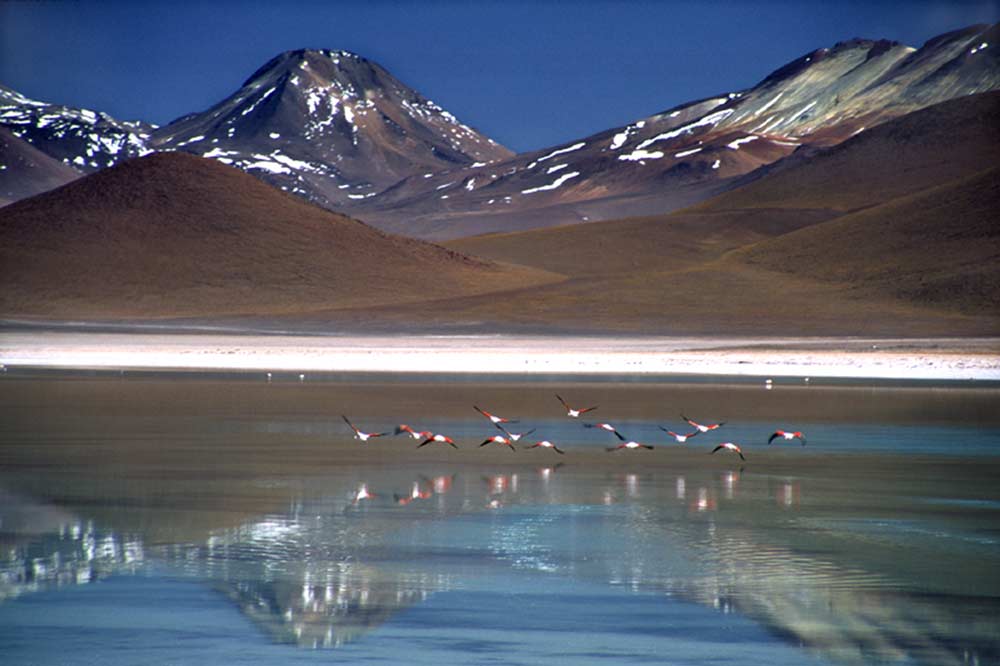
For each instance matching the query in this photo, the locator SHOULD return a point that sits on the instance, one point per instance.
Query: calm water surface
(227, 521)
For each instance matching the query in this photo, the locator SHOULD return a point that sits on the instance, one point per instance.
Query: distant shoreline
(860, 358)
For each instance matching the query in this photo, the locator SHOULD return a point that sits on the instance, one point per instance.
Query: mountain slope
(696, 150)
(330, 126)
(939, 247)
(26, 171)
(891, 232)
(178, 235)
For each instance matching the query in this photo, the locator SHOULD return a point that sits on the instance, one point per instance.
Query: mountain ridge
(338, 130)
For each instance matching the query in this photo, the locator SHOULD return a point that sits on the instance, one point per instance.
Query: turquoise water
(139, 529)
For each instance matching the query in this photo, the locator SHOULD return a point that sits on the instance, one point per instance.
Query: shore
(919, 359)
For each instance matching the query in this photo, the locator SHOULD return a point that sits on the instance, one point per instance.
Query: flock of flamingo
(508, 438)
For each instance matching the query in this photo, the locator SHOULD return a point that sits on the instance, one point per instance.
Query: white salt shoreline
(957, 359)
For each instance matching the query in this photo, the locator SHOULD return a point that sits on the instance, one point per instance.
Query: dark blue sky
(528, 74)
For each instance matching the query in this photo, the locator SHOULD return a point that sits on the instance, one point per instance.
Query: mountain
(329, 126)
(177, 235)
(83, 139)
(341, 132)
(26, 171)
(696, 150)
(890, 232)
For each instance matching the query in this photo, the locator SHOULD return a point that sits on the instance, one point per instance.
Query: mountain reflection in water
(330, 567)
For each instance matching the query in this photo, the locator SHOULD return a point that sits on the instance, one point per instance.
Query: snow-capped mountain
(83, 139)
(340, 131)
(687, 153)
(330, 126)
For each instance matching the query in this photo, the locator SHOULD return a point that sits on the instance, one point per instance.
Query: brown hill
(177, 235)
(27, 171)
(940, 247)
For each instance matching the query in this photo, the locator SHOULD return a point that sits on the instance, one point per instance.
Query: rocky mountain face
(330, 126)
(80, 138)
(690, 152)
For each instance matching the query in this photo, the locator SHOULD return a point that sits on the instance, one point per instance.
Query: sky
(527, 74)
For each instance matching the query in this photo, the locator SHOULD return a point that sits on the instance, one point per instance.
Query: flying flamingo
(731, 447)
(628, 444)
(703, 428)
(513, 436)
(574, 413)
(787, 435)
(499, 439)
(602, 426)
(546, 444)
(678, 437)
(438, 438)
(363, 436)
(415, 434)
(492, 417)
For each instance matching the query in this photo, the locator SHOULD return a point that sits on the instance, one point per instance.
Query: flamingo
(363, 436)
(499, 439)
(731, 447)
(513, 436)
(363, 493)
(492, 417)
(438, 438)
(575, 413)
(678, 437)
(415, 493)
(546, 444)
(787, 435)
(703, 428)
(602, 426)
(628, 444)
(415, 434)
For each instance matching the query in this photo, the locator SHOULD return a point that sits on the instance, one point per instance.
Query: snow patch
(710, 119)
(274, 135)
(807, 107)
(735, 145)
(716, 164)
(768, 105)
(193, 139)
(556, 168)
(575, 146)
(979, 48)
(218, 152)
(554, 184)
(685, 153)
(267, 166)
(260, 99)
(637, 155)
(773, 125)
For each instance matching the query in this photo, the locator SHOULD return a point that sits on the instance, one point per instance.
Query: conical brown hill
(177, 235)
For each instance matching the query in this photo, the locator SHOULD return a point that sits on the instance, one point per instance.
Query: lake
(156, 518)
